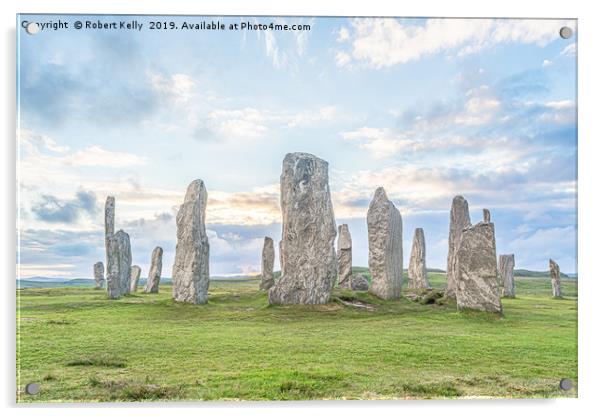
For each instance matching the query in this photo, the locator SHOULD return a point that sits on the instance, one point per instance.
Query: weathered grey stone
(358, 282)
(190, 275)
(476, 268)
(154, 273)
(555, 276)
(118, 268)
(486, 215)
(109, 225)
(385, 257)
(506, 270)
(99, 275)
(308, 258)
(459, 218)
(417, 278)
(344, 260)
(134, 278)
(267, 264)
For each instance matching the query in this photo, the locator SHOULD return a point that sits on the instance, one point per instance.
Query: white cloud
(177, 87)
(569, 50)
(546, 63)
(384, 42)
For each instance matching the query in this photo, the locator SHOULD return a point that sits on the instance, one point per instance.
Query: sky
(426, 108)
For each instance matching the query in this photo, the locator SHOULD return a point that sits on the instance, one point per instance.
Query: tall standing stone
(120, 262)
(99, 275)
(555, 276)
(417, 278)
(344, 260)
(190, 275)
(109, 225)
(459, 218)
(267, 264)
(309, 267)
(506, 270)
(134, 278)
(385, 258)
(476, 268)
(154, 273)
(486, 215)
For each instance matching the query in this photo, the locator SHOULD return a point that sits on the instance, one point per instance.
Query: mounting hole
(32, 388)
(566, 384)
(566, 32)
(32, 28)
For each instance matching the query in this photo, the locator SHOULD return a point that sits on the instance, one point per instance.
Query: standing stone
(134, 278)
(476, 268)
(486, 215)
(506, 269)
(344, 256)
(99, 275)
(118, 268)
(190, 275)
(385, 257)
(555, 276)
(459, 218)
(267, 264)
(309, 266)
(109, 225)
(154, 273)
(417, 278)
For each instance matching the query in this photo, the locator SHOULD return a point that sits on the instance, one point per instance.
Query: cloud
(384, 42)
(52, 209)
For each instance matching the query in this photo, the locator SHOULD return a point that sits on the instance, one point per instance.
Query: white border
(590, 193)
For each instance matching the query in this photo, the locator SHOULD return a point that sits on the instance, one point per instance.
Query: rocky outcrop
(459, 218)
(118, 267)
(190, 275)
(385, 257)
(267, 264)
(555, 277)
(308, 258)
(417, 278)
(99, 275)
(476, 268)
(134, 278)
(506, 270)
(154, 273)
(344, 259)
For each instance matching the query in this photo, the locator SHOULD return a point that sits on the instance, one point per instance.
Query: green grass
(82, 347)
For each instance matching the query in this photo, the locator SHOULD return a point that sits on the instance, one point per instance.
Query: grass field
(81, 347)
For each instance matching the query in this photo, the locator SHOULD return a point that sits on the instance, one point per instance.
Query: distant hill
(546, 274)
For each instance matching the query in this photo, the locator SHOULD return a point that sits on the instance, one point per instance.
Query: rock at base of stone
(99, 275)
(154, 273)
(344, 259)
(555, 277)
(506, 270)
(459, 218)
(417, 277)
(385, 257)
(476, 268)
(268, 257)
(190, 275)
(357, 282)
(134, 278)
(308, 258)
(118, 267)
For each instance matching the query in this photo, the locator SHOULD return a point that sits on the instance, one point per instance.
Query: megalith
(506, 270)
(344, 256)
(308, 258)
(555, 277)
(109, 225)
(267, 264)
(476, 269)
(99, 275)
(134, 278)
(385, 247)
(417, 278)
(459, 218)
(154, 273)
(190, 274)
(118, 267)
